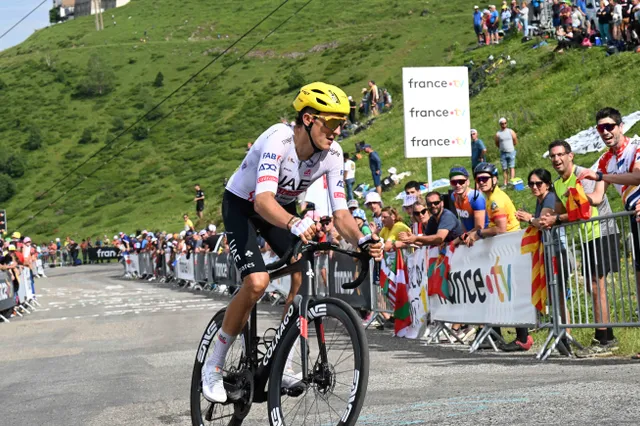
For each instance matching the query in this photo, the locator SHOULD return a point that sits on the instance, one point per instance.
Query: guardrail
(590, 282)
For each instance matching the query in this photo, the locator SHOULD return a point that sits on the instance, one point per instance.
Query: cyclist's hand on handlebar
(305, 229)
(373, 245)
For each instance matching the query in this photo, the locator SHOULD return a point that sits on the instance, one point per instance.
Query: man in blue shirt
(478, 150)
(443, 226)
(375, 164)
(477, 24)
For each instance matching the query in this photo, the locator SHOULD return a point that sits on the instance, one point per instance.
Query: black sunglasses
(537, 184)
(483, 179)
(421, 212)
(433, 203)
(325, 222)
(606, 126)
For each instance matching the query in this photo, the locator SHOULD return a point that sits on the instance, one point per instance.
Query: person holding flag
(619, 166)
(600, 247)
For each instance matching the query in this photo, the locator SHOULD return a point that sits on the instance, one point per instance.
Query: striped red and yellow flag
(578, 205)
(532, 243)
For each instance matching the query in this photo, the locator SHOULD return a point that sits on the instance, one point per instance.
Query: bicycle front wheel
(338, 370)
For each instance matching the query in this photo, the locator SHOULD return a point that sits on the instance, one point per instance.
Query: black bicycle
(332, 356)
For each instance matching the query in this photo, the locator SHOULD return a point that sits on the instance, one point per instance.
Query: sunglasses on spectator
(331, 123)
(537, 184)
(421, 212)
(457, 182)
(325, 222)
(483, 179)
(433, 203)
(606, 127)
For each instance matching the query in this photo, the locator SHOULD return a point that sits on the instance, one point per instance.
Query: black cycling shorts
(242, 225)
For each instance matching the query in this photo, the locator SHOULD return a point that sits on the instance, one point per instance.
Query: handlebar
(299, 248)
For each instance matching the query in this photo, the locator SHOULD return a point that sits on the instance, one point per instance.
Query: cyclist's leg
(237, 215)
(280, 241)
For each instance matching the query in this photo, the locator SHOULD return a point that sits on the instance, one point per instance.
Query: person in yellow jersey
(502, 219)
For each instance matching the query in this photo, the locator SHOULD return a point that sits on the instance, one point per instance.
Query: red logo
(267, 179)
(338, 195)
(307, 173)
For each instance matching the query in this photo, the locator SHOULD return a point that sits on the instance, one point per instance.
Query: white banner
(131, 264)
(184, 268)
(437, 119)
(417, 289)
(26, 279)
(489, 283)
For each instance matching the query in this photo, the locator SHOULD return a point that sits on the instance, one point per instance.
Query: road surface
(106, 351)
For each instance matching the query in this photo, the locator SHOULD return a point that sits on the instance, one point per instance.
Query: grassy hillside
(150, 184)
(46, 91)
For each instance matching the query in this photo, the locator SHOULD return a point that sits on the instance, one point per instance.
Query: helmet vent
(321, 102)
(318, 91)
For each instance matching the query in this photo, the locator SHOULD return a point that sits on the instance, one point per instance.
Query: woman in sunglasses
(541, 188)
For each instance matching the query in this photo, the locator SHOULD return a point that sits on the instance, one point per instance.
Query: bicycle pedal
(294, 391)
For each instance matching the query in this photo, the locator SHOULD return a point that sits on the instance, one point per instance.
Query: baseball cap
(475, 7)
(458, 171)
(16, 235)
(353, 204)
(366, 145)
(502, 120)
(203, 232)
(372, 197)
(474, 131)
(409, 200)
(12, 247)
(360, 214)
(212, 228)
(26, 240)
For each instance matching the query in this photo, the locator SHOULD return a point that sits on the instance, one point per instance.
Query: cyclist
(261, 196)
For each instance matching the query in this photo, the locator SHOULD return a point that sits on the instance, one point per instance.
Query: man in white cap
(477, 24)
(374, 203)
(353, 205)
(506, 141)
(352, 110)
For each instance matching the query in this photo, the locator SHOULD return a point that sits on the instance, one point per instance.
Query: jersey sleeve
(603, 161)
(271, 153)
(497, 209)
(335, 176)
(477, 201)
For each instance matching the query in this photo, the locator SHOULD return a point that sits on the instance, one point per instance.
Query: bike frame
(261, 366)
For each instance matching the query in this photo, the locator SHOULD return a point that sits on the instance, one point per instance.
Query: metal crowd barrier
(591, 276)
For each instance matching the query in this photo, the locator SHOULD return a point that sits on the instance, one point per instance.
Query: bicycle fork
(302, 304)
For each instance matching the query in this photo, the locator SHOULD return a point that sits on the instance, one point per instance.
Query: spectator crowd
(576, 23)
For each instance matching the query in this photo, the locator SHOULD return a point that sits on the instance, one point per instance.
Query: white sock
(220, 348)
(292, 352)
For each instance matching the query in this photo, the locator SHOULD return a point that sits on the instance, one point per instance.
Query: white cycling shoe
(290, 379)
(212, 385)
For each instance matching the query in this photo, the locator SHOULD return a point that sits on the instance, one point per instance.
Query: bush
(15, 166)
(3, 85)
(159, 81)
(34, 141)
(100, 78)
(140, 133)
(117, 123)
(87, 137)
(295, 80)
(7, 187)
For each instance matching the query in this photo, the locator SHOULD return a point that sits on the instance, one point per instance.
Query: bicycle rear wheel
(203, 412)
(338, 362)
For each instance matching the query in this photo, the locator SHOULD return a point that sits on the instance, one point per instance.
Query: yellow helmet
(322, 97)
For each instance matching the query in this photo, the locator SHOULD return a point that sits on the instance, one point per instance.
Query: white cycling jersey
(272, 165)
